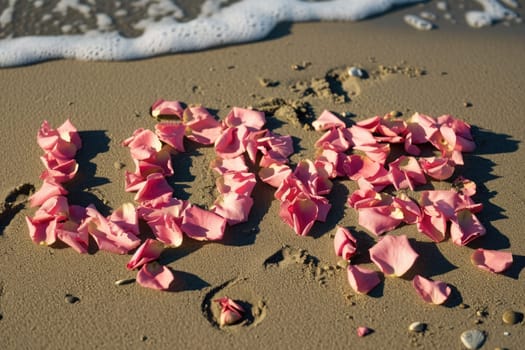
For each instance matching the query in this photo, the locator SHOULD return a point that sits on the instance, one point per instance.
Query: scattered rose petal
(437, 168)
(203, 225)
(172, 134)
(231, 312)
(393, 255)
(162, 107)
(465, 227)
(201, 125)
(155, 276)
(327, 120)
(155, 188)
(361, 279)
(254, 120)
(363, 331)
(435, 292)
(49, 189)
(491, 260)
(345, 244)
(274, 174)
(149, 251)
(232, 206)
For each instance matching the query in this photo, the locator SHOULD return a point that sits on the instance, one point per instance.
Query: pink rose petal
(434, 226)
(49, 189)
(334, 139)
(274, 174)
(361, 279)
(172, 134)
(155, 276)
(345, 245)
(126, 217)
(143, 144)
(434, 292)
(155, 188)
(230, 144)
(405, 172)
(437, 168)
(202, 127)
(232, 206)
(42, 233)
(380, 219)
(162, 107)
(393, 255)
(239, 182)
(327, 120)
(222, 166)
(300, 214)
(465, 227)
(253, 120)
(149, 251)
(491, 260)
(203, 225)
(363, 331)
(68, 233)
(231, 312)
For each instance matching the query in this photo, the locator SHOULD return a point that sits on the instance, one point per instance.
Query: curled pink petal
(154, 188)
(363, 331)
(162, 107)
(203, 225)
(345, 244)
(434, 292)
(437, 168)
(491, 260)
(461, 129)
(58, 170)
(166, 229)
(393, 255)
(149, 251)
(232, 206)
(380, 219)
(433, 226)
(239, 182)
(465, 227)
(143, 144)
(253, 120)
(300, 214)
(361, 279)
(155, 276)
(126, 217)
(222, 166)
(230, 144)
(335, 139)
(405, 172)
(49, 189)
(42, 233)
(68, 233)
(231, 312)
(327, 120)
(274, 174)
(201, 126)
(172, 134)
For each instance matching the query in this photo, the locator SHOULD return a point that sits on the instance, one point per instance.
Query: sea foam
(163, 32)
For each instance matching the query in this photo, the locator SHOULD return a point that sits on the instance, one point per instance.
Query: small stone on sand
(473, 339)
(124, 282)
(71, 299)
(417, 327)
(512, 317)
(118, 165)
(356, 72)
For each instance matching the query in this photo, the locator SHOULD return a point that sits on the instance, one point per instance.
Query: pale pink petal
(433, 226)
(231, 312)
(356, 166)
(363, 331)
(143, 144)
(232, 206)
(434, 292)
(166, 229)
(491, 260)
(380, 219)
(162, 107)
(230, 143)
(440, 201)
(49, 189)
(155, 187)
(378, 152)
(201, 126)
(411, 211)
(334, 139)
(172, 134)
(39, 232)
(149, 251)
(274, 174)
(276, 146)
(405, 172)
(253, 120)
(437, 168)
(360, 136)
(393, 255)
(422, 128)
(54, 208)
(126, 217)
(332, 162)
(155, 276)
(327, 120)
(68, 132)
(315, 179)
(465, 227)
(323, 207)
(464, 139)
(47, 137)
(222, 166)
(300, 214)
(345, 244)
(58, 170)
(465, 186)
(239, 182)
(203, 225)
(361, 279)
(68, 233)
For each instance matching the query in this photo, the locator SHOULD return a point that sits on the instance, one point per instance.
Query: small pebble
(137, 114)
(463, 306)
(356, 72)
(442, 5)
(418, 22)
(512, 317)
(417, 327)
(124, 282)
(118, 165)
(478, 321)
(71, 299)
(467, 104)
(144, 338)
(506, 334)
(472, 339)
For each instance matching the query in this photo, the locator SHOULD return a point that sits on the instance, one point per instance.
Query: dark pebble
(71, 299)
(512, 317)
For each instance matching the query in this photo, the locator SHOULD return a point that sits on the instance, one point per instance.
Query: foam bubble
(161, 27)
(492, 11)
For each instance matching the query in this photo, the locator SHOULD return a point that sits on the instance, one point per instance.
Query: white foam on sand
(492, 11)
(217, 25)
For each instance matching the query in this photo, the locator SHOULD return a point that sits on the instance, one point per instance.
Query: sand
(298, 298)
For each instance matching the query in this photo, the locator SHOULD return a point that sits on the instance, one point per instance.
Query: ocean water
(39, 30)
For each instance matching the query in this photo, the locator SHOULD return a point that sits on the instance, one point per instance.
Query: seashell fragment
(473, 339)
(418, 22)
(417, 327)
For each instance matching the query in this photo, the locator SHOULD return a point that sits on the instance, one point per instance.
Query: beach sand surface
(294, 291)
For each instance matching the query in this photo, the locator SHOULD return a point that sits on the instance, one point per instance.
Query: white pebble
(417, 327)
(428, 15)
(418, 22)
(473, 339)
(442, 5)
(355, 72)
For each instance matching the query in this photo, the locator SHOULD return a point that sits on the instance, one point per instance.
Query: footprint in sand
(14, 202)
(311, 265)
(238, 290)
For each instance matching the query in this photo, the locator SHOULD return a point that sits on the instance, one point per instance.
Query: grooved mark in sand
(311, 265)
(14, 202)
(253, 305)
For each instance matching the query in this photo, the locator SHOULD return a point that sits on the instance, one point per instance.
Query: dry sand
(298, 297)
